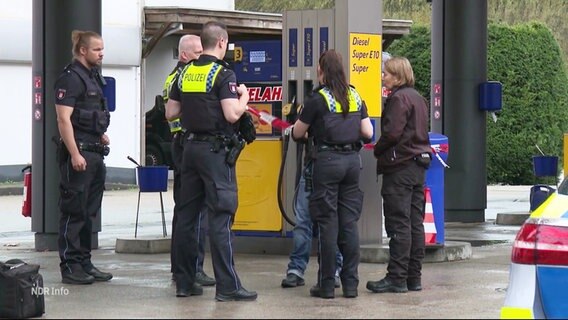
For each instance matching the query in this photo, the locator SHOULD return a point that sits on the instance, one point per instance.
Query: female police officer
(336, 117)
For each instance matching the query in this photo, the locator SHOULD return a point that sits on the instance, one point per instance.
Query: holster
(62, 153)
(423, 160)
(236, 145)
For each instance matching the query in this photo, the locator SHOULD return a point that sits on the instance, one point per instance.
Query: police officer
(336, 116)
(82, 119)
(189, 48)
(210, 104)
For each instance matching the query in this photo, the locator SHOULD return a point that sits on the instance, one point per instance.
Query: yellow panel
(554, 207)
(257, 179)
(565, 153)
(365, 54)
(516, 313)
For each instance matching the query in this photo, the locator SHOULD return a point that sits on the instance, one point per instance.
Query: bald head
(189, 48)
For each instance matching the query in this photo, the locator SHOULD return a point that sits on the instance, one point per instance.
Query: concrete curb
(512, 218)
(143, 246)
(451, 251)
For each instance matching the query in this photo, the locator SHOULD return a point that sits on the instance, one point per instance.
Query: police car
(538, 278)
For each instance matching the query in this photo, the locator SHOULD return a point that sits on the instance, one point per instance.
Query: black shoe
(240, 295)
(414, 284)
(99, 275)
(292, 281)
(316, 291)
(386, 285)
(76, 276)
(204, 280)
(350, 293)
(194, 290)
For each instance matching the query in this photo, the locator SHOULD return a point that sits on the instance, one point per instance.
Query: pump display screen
(257, 57)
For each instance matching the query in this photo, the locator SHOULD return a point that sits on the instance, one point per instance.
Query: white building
(137, 80)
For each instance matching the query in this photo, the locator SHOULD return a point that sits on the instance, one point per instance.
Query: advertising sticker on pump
(265, 97)
(365, 55)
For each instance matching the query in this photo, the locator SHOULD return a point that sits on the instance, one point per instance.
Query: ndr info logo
(49, 291)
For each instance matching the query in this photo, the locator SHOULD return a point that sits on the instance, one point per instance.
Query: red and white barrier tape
(267, 118)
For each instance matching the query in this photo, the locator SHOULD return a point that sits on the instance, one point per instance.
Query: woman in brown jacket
(403, 155)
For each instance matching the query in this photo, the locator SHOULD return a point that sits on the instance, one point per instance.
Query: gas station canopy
(160, 22)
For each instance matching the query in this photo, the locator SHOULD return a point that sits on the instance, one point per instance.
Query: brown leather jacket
(404, 130)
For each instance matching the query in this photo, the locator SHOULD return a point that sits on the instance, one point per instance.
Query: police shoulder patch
(61, 94)
(233, 87)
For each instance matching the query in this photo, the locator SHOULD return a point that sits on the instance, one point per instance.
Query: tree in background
(527, 60)
(278, 6)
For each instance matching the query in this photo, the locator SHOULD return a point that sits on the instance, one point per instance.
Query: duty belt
(338, 147)
(217, 141)
(205, 137)
(94, 147)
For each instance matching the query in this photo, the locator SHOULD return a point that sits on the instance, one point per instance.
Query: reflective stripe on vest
(168, 84)
(355, 102)
(175, 125)
(198, 79)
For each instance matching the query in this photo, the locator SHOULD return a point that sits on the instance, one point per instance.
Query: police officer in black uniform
(82, 119)
(336, 117)
(189, 48)
(210, 104)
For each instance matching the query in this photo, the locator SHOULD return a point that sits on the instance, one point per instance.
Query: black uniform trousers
(177, 157)
(335, 206)
(81, 195)
(403, 204)
(208, 180)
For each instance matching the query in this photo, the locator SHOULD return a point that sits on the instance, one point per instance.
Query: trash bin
(545, 166)
(539, 194)
(153, 178)
(435, 181)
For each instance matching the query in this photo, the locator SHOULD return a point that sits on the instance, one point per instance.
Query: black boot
(317, 291)
(74, 274)
(387, 285)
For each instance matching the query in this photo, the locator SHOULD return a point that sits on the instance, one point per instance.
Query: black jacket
(404, 130)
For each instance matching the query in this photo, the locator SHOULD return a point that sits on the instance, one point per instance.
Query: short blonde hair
(401, 70)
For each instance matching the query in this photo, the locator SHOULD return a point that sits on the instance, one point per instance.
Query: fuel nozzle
(290, 110)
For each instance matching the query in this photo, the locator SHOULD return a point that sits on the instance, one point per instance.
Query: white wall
(15, 109)
(158, 65)
(124, 129)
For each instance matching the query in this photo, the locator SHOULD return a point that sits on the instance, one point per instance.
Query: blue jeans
(303, 233)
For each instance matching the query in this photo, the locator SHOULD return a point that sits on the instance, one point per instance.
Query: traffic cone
(429, 225)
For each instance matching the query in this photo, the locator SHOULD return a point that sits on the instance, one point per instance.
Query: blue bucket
(152, 178)
(545, 166)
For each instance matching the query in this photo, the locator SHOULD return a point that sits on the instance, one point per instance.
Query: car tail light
(541, 244)
(525, 245)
